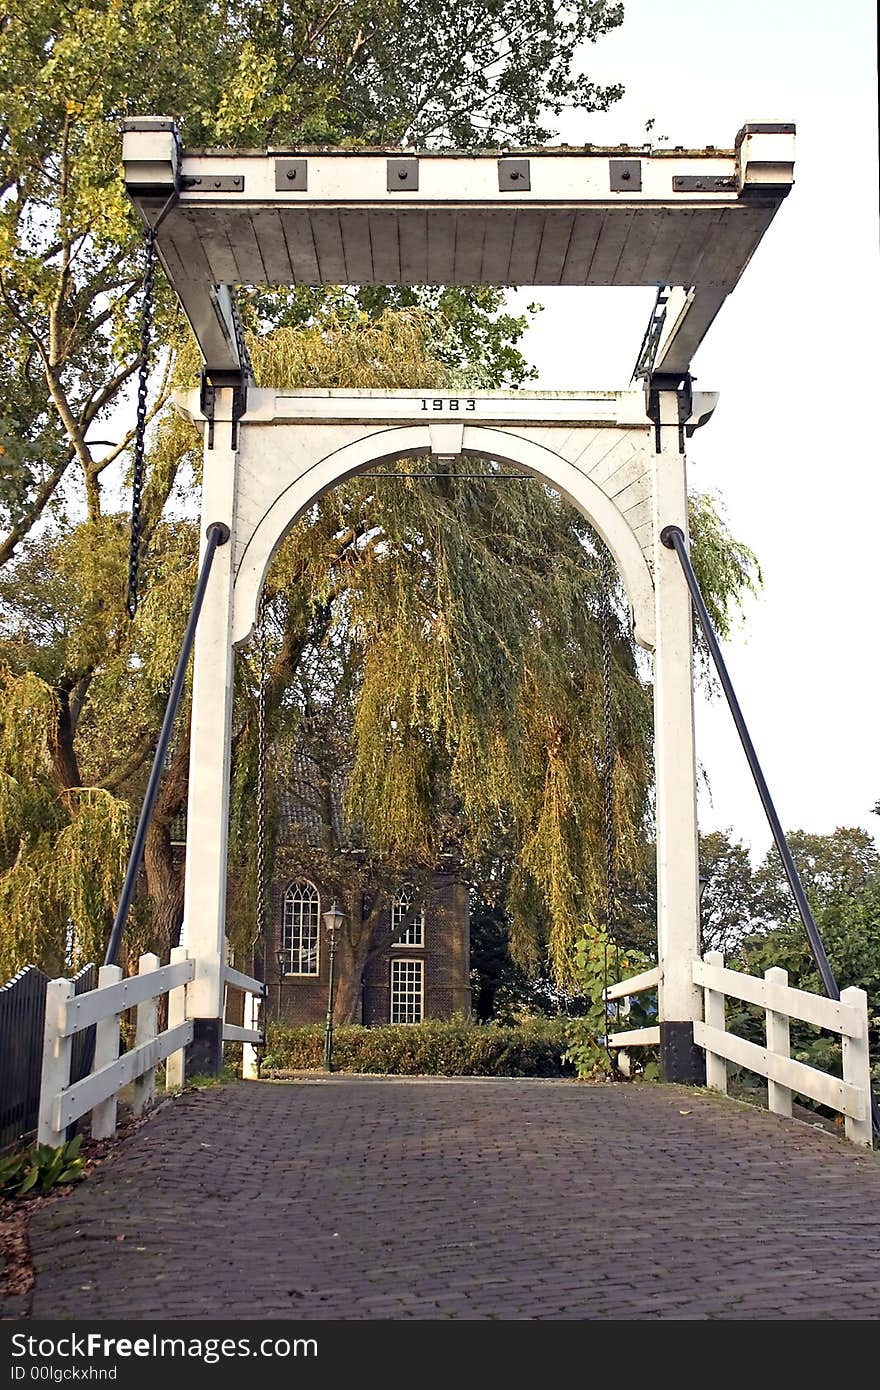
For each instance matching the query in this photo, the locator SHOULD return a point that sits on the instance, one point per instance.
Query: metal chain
(261, 774)
(608, 820)
(137, 483)
(608, 749)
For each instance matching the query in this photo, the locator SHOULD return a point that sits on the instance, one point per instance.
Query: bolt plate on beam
(403, 175)
(514, 175)
(213, 183)
(291, 174)
(625, 175)
(703, 183)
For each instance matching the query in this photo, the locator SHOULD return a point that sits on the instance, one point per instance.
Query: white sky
(792, 446)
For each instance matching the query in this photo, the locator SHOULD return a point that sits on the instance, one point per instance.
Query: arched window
(407, 921)
(299, 935)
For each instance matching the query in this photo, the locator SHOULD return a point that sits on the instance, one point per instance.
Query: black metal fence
(22, 1020)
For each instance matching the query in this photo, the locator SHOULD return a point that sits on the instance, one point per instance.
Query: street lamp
(280, 961)
(704, 884)
(333, 921)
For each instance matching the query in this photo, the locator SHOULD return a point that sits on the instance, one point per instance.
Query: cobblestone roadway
(465, 1199)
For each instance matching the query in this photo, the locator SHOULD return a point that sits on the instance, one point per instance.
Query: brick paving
(368, 1198)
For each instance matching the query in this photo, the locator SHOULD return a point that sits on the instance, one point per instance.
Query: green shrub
(433, 1048)
(40, 1168)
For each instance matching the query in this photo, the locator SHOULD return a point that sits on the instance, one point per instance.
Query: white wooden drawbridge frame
(686, 221)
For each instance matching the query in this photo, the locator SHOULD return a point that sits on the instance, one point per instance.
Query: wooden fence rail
(849, 1095)
(65, 1097)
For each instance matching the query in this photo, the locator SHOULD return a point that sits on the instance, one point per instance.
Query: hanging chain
(261, 775)
(140, 433)
(608, 819)
(608, 750)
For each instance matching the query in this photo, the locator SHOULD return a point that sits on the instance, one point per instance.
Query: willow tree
(366, 72)
(433, 646)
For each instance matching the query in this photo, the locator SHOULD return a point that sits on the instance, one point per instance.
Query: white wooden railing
(66, 1014)
(625, 989)
(850, 1096)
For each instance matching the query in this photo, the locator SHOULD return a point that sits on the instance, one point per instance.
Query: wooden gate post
(204, 914)
(678, 900)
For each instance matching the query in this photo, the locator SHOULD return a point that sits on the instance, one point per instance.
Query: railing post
(249, 1068)
(857, 1065)
(175, 1065)
(106, 1051)
(778, 1034)
(56, 1062)
(714, 1014)
(145, 1031)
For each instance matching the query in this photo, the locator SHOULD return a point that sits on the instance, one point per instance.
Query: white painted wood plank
(610, 244)
(412, 231)
(807, 1081)
(108, 1080)
(638, 511)
(797, 1003)
(857, 1067)
(175, 1067)
(527, 233)
(713, 1009)
(641, 231)
(637, 984)
(636, 1037)
(386, 247)
(250, 1068)
(238, 980)
(106, 1053)
(470, 231)
(328, 246)
(441, 247)
(224, 271)
(232, 1033)
(183, 230)
(96, 1004)
(146, 1028)
(297, 228)
(354, 226)
(273, 246)
(553, 250)
(55, 1075)
(582, 247)
(497, 246)
(242, 238)
(779, 1042)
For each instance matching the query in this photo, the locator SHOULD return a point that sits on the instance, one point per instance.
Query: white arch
(385, 446)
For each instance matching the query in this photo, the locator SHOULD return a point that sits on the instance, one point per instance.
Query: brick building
(418, 962)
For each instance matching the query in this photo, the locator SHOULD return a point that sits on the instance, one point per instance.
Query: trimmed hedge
(432, 1048)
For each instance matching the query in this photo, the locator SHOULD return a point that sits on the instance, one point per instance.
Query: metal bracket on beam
(514, 176)
(211, 383)
(402, 176)
(625, 175)
(682, 384)
(291, 174)
(213, 183)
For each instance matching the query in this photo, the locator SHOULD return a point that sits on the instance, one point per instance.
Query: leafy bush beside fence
(433, 1048)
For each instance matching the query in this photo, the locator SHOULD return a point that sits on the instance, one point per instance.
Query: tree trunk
(164, 877)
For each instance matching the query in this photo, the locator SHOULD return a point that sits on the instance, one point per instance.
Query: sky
(792, 448)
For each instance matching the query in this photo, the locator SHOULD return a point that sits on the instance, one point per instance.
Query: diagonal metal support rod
(217, 534)
(673, 538)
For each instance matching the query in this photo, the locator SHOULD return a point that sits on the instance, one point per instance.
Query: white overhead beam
(551, 216)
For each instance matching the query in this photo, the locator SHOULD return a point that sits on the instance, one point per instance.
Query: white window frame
(403, 902)
(301, 883)
(408, 963)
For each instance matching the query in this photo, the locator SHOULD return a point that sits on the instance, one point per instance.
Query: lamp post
(704, 884)
(333, 922)
(280, 960)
